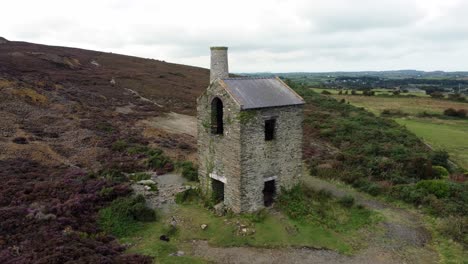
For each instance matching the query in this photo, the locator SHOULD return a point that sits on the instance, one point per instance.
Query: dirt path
(174, 123)
(403, 239)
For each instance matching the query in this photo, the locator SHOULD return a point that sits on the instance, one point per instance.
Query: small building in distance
(249, 137)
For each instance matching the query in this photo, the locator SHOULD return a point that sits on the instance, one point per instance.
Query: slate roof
(253, 93)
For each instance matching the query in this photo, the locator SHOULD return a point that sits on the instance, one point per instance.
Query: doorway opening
(218, 190)
(269, 192)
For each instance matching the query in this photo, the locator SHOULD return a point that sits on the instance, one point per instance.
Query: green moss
(245, 116)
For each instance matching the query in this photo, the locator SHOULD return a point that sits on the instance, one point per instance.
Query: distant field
(377, 92)
(449, 135)
(409, 105)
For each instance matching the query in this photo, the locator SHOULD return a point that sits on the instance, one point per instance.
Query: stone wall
(280, 157)
(219, 154)
(242, 156)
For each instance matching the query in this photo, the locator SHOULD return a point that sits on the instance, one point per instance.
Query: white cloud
(275, 35)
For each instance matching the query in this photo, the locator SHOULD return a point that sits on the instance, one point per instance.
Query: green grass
(449, 251)
(275, 230)
(442, 134)
(448, 135)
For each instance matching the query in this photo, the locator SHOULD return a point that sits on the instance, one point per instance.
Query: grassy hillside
(62, 125)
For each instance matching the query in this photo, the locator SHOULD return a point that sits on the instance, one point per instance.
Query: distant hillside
(171, 85)
(458, 75)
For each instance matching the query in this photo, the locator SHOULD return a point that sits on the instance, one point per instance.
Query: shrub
(325, 92)
(106, 192)
(188, 196)
(119, 145)
(450, 112)
(139, 176)
(142, 213)
(437, 95)
(138, 149)
(393, 112)
(188, 170)
(368, 93)
(456, 97)
(439, 188)
(346, 201)
(368, 187)
(439, 172)
(293, 202)
(408, 193)
(321, 195)
(121, 217)
(461, 113)
(156, 159)
(113, 175)
(440, 158)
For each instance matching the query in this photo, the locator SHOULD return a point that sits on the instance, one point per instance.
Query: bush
(461, 113)
(157, 160)
(188, 196)
(293, 202)
(368, 93)
(393, 112)
(346, 201)
(119, 145)
(437, 95)
(121, 217)
(440, 158)
(138, 149)
(439, 172)
(188, 170)
(113, 175)
(325, 92)
(450, 112)
(439, 188)
(142, 213)
(139, 176)
(368, 187)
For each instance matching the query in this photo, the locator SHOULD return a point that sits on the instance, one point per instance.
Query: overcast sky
(276, 36)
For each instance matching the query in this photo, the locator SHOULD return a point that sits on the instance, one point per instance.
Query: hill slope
(63, 100)
(62, 111)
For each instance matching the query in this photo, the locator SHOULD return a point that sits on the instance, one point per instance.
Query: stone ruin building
(249, 137)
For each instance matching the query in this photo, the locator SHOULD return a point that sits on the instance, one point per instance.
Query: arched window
(217, 116)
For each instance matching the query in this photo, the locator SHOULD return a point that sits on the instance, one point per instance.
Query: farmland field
(450, 135)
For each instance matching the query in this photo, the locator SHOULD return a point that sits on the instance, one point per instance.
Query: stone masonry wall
(281, 157)
(219, 154)
(219, 63)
